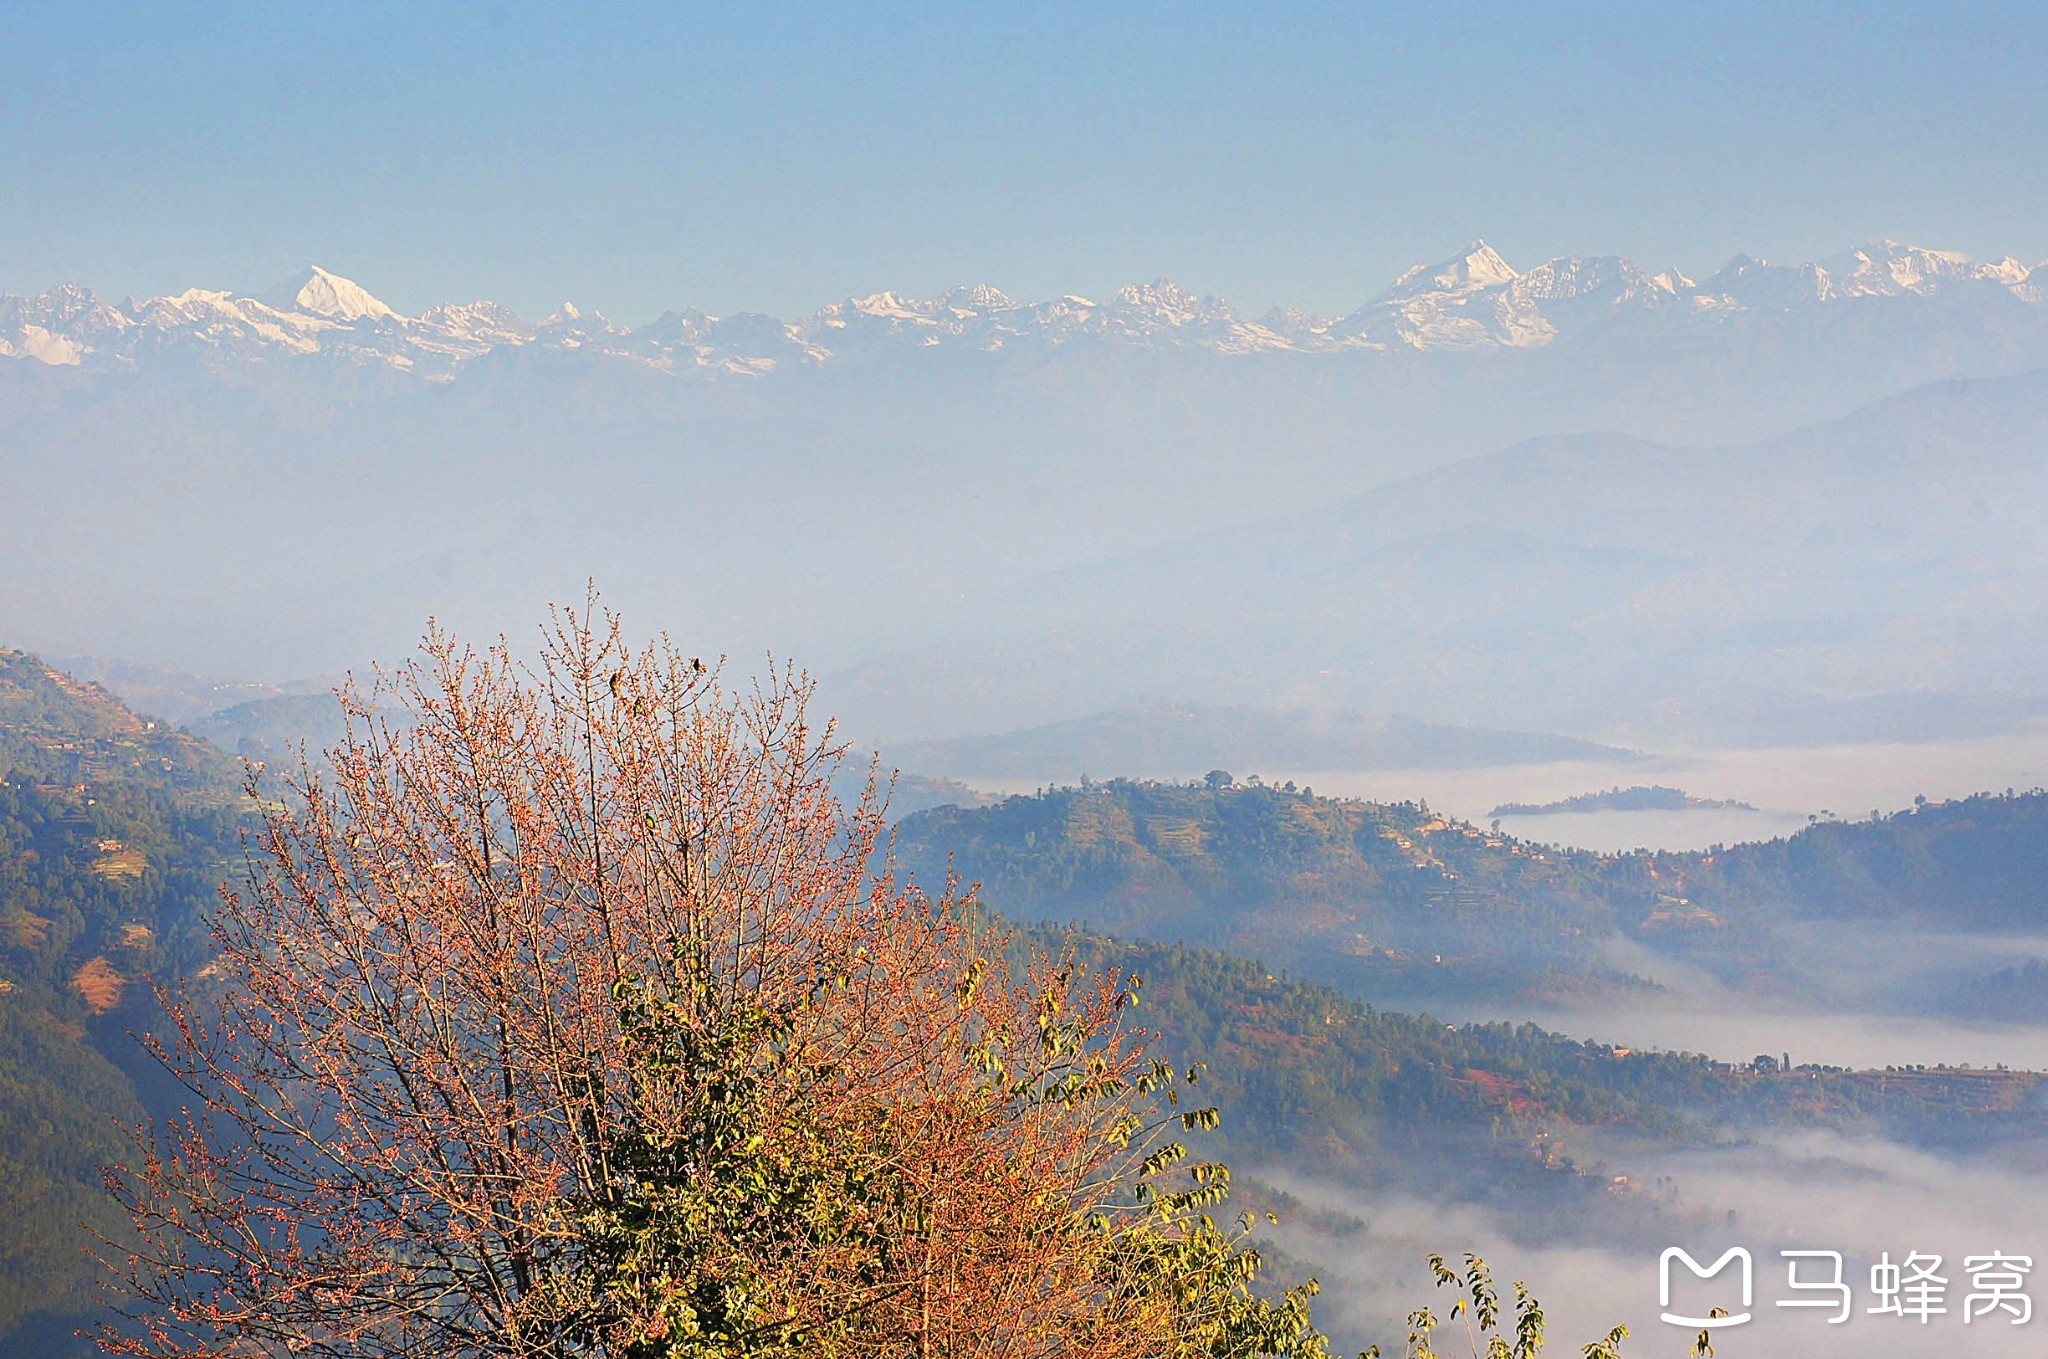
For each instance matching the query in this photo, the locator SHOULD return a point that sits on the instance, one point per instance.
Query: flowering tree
(570, 1016)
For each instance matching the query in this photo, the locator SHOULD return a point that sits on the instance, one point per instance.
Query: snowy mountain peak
(977, 297)
(1474, 300)
(1160, 292)
(69, 307)
(1164, 303)
(318, 293)
(1478, 265)
(1290, 321)
(1887, 267)
(892, 306)
(573, 326)
(1758, 285)
(482, 321)
(1603, 279)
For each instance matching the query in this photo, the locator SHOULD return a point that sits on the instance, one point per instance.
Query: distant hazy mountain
(1394, 899)
(1184, 741)
(174, 695)
(288, 483)
(1639, 798)
(277, 730)
(1881, 576)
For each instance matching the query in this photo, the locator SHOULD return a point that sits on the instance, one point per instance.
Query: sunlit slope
(114, 835)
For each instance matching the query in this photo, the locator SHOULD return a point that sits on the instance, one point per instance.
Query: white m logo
(1705, 1323)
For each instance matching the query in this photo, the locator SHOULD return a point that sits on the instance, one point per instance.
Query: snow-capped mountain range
(1473, 301)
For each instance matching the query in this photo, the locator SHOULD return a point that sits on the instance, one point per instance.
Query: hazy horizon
(1497, 558)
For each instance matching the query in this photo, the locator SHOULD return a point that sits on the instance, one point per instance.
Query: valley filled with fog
(1863, 1197)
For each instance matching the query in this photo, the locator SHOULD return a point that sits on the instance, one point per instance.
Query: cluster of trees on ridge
(1396, 900)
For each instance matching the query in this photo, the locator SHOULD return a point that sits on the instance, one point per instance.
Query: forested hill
(1975, 863)
(1307, 1073)
(114, 835)
(1394, 899)
(1372, 895)
(63, 731)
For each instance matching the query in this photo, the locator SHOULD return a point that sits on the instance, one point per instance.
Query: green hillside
(1382, 897)
(114, 834)
(1975, 863)
(1395, 901)
(62, 731)
(1307, 1072)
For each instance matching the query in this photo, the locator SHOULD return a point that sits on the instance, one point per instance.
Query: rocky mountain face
(1475, 300)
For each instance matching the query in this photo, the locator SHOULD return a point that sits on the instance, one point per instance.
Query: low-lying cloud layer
(1863, 1197)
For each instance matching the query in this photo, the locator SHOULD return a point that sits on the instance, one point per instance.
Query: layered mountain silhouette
(1883, 576)
(1188, 740)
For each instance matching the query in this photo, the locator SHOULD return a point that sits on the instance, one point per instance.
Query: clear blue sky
(777, 156)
